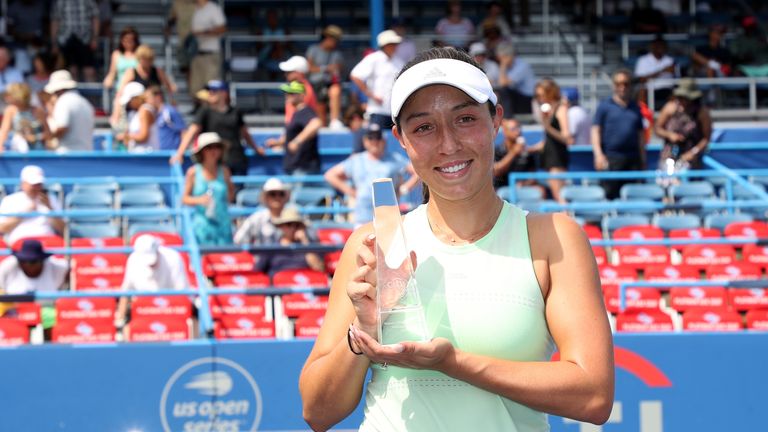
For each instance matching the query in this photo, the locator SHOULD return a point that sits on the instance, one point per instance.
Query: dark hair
(433, 54)
(47, 60)
(126, 31)
(623, 71)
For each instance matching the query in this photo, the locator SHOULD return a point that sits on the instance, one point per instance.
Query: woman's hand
(362, 288)
(434, 354)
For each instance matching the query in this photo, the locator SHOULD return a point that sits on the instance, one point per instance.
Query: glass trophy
(400, 313)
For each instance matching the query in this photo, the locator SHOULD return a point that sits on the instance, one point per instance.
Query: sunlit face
(146, 62)
(511, 128)
(276, 199)
(449, 138)
(128, 41)
(622, 85)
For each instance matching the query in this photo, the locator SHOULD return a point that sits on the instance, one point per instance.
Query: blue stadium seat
(670, 222)
(95, 230)
(632, 191)
(694, 189)
(612, 223)
(248, 198)
(313, 196)
(140, 198)
(584, 194)
(95, 199)
(720, 221)
(148, 227)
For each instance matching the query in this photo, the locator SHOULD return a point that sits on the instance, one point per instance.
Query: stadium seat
(636, 298)
(634, 191)
(95, 236)
(248, 198)
(522, 193)
(757, 319)
(254, 306)
(300, 278)
(308, 325)
(13, 332)
(28, 313)
(227, 263)
(99, 264)
(644, 207)
(712, 320)
(91, 282)
(747, 299)
(593, 232)
(737, 270)
(108, 187)
(141, 227)
(156, 306)
(333, 236)
(601, 257)
(749, 230)
(695, 189)
(49, 242)
(151, 186)
(683, 299)
(612, 223)
(92, 199)
(299, 303)
(81, 308)
(243, 327)
(331, 260)
(161, 328)
(755, 254)
(249, 279)
(313, 196)
(701, 256)
(166, 238)
(84, 331)
(671, 273)
(720, 221)
(574, 194)
(640, 257)
(677, 222)
(616, 275)
(141, 199)
(637, 232)
(692, 234)
(644, 321)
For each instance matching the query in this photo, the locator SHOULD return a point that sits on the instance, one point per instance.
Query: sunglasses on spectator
(276, 194)
(621, 83)
(294, 225)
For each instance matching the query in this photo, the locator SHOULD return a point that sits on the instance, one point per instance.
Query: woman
(28, 124)
(554, 147)
(123, 58)
(500, 289)
(208, 187)
(146, 73)
(293, 232)
(43, 65)
(454, 29)
(142, 135)
(685, 126)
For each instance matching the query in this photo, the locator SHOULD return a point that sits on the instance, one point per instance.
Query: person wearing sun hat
(72, 120)
(259, 228)
(501, 289)
(299, 141)
(208, 188)
(294, 231)
(32, 197)
(685, 126)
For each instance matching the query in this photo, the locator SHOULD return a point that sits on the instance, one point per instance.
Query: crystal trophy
(400, 313)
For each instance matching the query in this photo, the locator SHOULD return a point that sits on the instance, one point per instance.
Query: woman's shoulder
(547, 228)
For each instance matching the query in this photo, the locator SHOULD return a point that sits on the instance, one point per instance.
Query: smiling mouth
(454, 168)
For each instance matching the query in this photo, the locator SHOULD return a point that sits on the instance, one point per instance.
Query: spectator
(8, 73)
(31, 198)
(750, 47)
(150, 267)
(227, 121)
(146, 73)
(579, 123)
(208, 26)
(180, 16)
(142, 135)
(495, 15)
(353, 176)
(685, 126)
(354, 118)
(208, 187)
(300, 138)
(647, 19)
(30, 131)
(492, 37)
(406, 49)
(123, 58)
(296, 69)
(72, 119)
(258, 228)
(479, 52)
(170, 124)
(512, 155)
(653, 66)
(325, 67)
(713, 59)
(516, 81)
(43, 65)
(75, 33)
(274, 51)
(557, 136)
(25, 23)
(294, 231)
(374, 76)
(618, 139)
(454, 29)
(31, 269)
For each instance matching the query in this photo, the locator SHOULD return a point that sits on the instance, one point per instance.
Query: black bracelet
(349, 342)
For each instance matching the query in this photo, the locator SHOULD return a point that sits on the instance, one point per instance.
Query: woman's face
(449, 138)
(213, 152)
(541, 95)
(129, 42)
(146, 62)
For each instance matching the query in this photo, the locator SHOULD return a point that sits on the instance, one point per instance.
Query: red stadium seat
(702, 256)
(638, 232)
(755, 254)
(96, 242)
(308, 325)
(227, 263)
(300, 278)
(697, 298)
(743, 299)
(601, 258)
(750, 230)
(613, 276)
(644, 321)
(333, 236)
(166, 239)
(13, 332)
(757, 319)
(253, 306)
(640, 257)
(670, 273)
(593, 232)
(712, 320)
(332, 261)
(28, 313)
(84, 331)
(297, 304)
(636, 298)
(738, 270)
(166, 306)
(49, 242)
(242, 280)
(158, 329)
(243, 327)
(90, 282)
(692, 234)
(91, 308)
(99, 264)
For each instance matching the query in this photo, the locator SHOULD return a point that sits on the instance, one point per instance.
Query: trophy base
(403, 325)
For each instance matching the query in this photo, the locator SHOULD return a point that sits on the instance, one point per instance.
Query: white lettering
(218, 408)
(212, 426)
(184, 409)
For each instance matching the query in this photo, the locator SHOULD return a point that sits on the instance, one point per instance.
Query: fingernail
(371, 236)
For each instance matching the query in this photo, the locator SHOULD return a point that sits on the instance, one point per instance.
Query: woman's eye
(423, 128)
(465, 119)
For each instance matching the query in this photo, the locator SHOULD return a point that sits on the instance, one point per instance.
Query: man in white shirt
(479, 52)
(31, 269)
(72, 120)
(579, 122)
(208, 25)
(656, 65)
(31, 198)
(375, 75)
(151, 267)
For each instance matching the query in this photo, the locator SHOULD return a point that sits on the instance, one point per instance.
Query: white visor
(455, 73)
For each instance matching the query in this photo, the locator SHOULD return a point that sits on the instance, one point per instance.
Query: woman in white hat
(208, 187)
(501, 289)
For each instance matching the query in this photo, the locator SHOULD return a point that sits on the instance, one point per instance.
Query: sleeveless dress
(555, 153)
(152, 79)
(687, 125)
(134, 125)
(123, 64)
(215, 230)
(483, 297)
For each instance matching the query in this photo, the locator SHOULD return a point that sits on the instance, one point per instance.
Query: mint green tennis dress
(483, 297)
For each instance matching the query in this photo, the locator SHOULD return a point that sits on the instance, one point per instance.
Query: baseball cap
(455, 73)
(388, 37)
(374, 131)
(274, 184)
(294, 87)
(145, 249)
(477, 48)
(131, 90)
(295, 64)
(32, 174)
(571, 93)
(217, 85)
